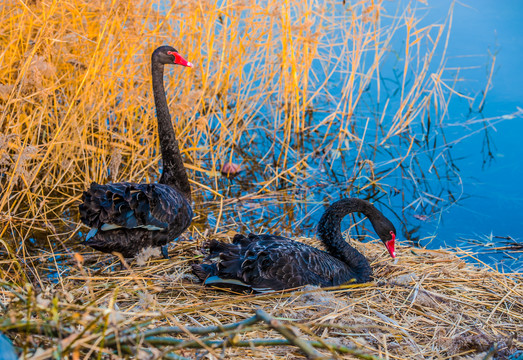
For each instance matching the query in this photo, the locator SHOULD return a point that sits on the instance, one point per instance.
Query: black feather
(269, 262)
(143, 205)
(165, 207)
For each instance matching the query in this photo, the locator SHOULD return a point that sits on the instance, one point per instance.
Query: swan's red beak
(390, 245)
(178, 59)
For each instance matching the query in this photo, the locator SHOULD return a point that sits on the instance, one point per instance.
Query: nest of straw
(427, 304)
(74, 99)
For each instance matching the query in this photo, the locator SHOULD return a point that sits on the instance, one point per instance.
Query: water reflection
(407, 130)
(421, 176)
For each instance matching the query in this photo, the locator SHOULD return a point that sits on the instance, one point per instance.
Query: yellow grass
(76, 104)
(76, 107)
(428, 304)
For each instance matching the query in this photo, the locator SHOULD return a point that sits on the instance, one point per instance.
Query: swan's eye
(393, 235)
(178, 59)
(173, 54)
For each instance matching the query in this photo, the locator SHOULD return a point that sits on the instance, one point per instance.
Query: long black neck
(174, 173)
(329, 232)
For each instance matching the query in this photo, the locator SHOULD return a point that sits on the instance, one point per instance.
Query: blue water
(493, 205)
(484, 178)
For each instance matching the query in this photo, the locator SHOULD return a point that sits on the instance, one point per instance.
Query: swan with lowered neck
(268, 262)
(127, 217)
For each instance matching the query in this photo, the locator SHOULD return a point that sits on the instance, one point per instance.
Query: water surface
(492, 204)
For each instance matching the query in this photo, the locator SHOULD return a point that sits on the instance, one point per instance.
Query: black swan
(268, 262)
(127, 217)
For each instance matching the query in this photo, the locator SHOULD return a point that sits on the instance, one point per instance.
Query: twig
(35, 328)
(9, 288)
(307, 347)
(178, 330)
(164, 341)
(289, 334)
(172, 356)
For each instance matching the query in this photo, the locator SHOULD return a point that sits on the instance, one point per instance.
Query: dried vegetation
(280, 88)
(428, 304)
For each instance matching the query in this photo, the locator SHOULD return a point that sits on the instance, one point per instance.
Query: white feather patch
(263, 290)
(107, 227)
(151, 227)
(218, 280)
(91, 233)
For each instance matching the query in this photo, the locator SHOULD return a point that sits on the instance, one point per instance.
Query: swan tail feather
(127, 205)
(203, 271)
(217, 248)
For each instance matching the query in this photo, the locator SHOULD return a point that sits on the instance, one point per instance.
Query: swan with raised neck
(128, 217)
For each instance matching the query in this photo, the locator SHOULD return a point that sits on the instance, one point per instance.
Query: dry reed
(427, 304)
(280, 87)
(276, 88)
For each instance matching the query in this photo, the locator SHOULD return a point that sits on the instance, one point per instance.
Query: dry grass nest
(427, 304)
